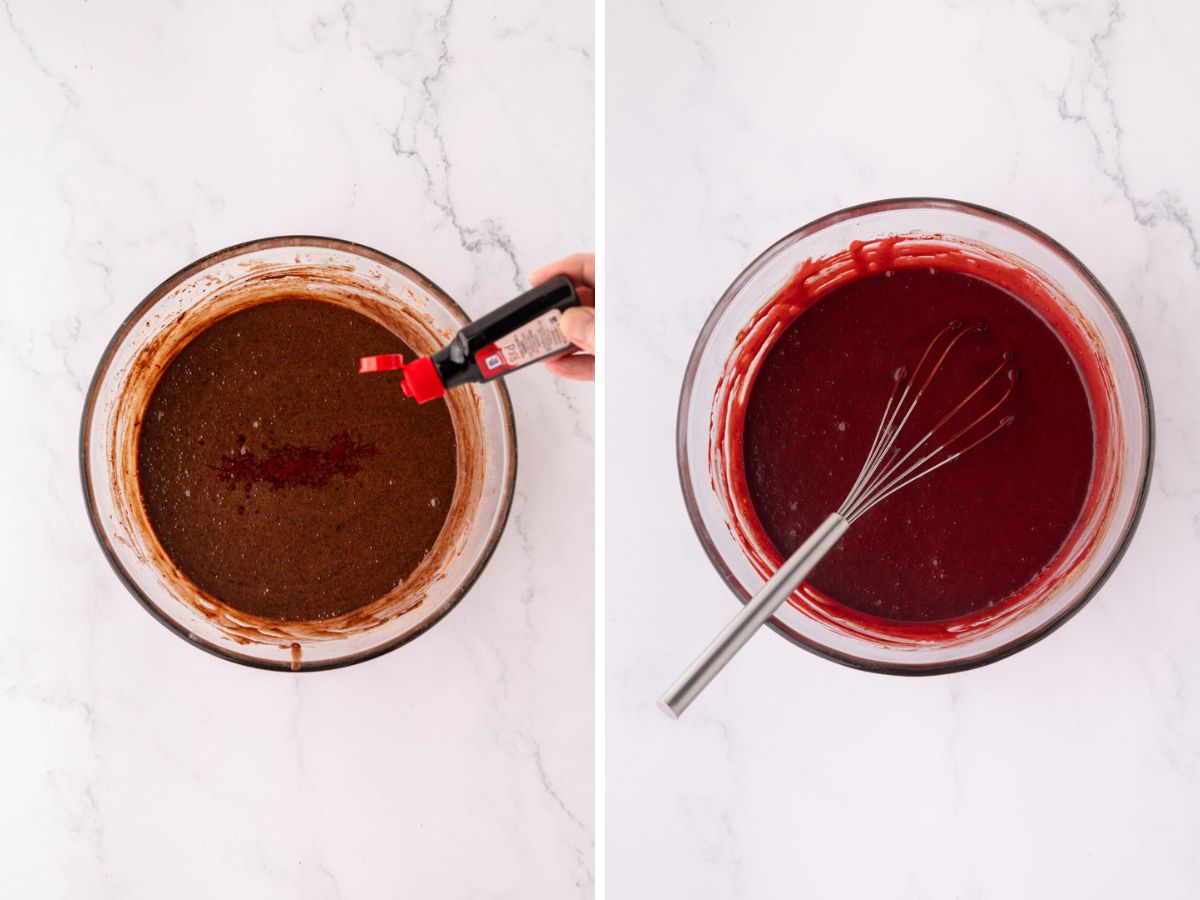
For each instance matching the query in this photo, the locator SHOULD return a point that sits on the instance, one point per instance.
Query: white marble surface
(1071, 770)
(137, 136)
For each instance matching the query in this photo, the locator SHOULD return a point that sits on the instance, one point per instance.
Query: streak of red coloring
(289, 465)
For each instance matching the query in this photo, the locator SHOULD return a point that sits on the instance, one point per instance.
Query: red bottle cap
(421, 380)
(385, 363)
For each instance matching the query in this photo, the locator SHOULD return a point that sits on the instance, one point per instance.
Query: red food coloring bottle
(521, 332)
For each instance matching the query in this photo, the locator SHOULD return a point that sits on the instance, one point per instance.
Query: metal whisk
(888, 468)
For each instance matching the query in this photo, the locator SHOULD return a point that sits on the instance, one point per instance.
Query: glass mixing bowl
(1122, 468)
(358, 278)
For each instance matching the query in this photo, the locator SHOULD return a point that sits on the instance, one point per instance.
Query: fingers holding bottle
(579, 323)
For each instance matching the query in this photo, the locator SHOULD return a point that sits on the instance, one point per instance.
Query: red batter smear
(819, 363)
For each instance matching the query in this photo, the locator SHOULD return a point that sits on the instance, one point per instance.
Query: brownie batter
(972, 533)
(278, 479)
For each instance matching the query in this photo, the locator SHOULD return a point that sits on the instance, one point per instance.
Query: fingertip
(578, 324)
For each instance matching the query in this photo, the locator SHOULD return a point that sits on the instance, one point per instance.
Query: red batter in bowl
(973, 549)
(788, 381)
(978, 530)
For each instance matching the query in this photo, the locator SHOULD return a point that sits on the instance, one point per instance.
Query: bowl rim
(1146, 463)
(89, 407)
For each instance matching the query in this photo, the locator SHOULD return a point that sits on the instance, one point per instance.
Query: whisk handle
(757, 610)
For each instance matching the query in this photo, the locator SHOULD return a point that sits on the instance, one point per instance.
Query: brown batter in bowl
(412, 550)
(280, 480)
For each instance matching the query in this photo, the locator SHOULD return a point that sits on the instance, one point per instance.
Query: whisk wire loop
(888, 468)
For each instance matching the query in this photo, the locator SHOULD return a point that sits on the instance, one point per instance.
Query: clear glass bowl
(1122, 472)
(336, 271)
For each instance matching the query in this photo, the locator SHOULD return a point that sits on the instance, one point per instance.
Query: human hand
(578, 324)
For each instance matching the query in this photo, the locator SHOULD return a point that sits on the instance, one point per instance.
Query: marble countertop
(1069, 770)
(138, 137)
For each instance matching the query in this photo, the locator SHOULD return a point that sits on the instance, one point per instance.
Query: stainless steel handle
(759, 608)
